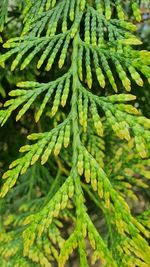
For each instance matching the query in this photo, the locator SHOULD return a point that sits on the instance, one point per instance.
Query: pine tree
(93, 144)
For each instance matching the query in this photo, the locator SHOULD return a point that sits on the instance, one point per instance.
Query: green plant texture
(69, 68)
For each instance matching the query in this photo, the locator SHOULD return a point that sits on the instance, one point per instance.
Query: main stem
(76, 143)
(75, 126)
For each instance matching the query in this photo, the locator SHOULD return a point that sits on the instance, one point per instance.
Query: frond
(97, 146)
(28, 93)
(47, 142)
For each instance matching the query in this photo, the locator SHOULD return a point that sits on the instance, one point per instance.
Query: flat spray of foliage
(92, 58)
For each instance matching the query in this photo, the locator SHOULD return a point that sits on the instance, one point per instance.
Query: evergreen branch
(95, 40)
(52, 140)
(42, 220)
(28, 93)
(120, 58)
(121, 117)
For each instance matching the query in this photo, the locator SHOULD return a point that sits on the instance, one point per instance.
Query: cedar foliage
(81, 58)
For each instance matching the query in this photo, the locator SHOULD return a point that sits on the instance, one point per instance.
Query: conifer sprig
(85, 39)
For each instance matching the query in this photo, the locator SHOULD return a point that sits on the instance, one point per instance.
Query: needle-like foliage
(96, 145)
